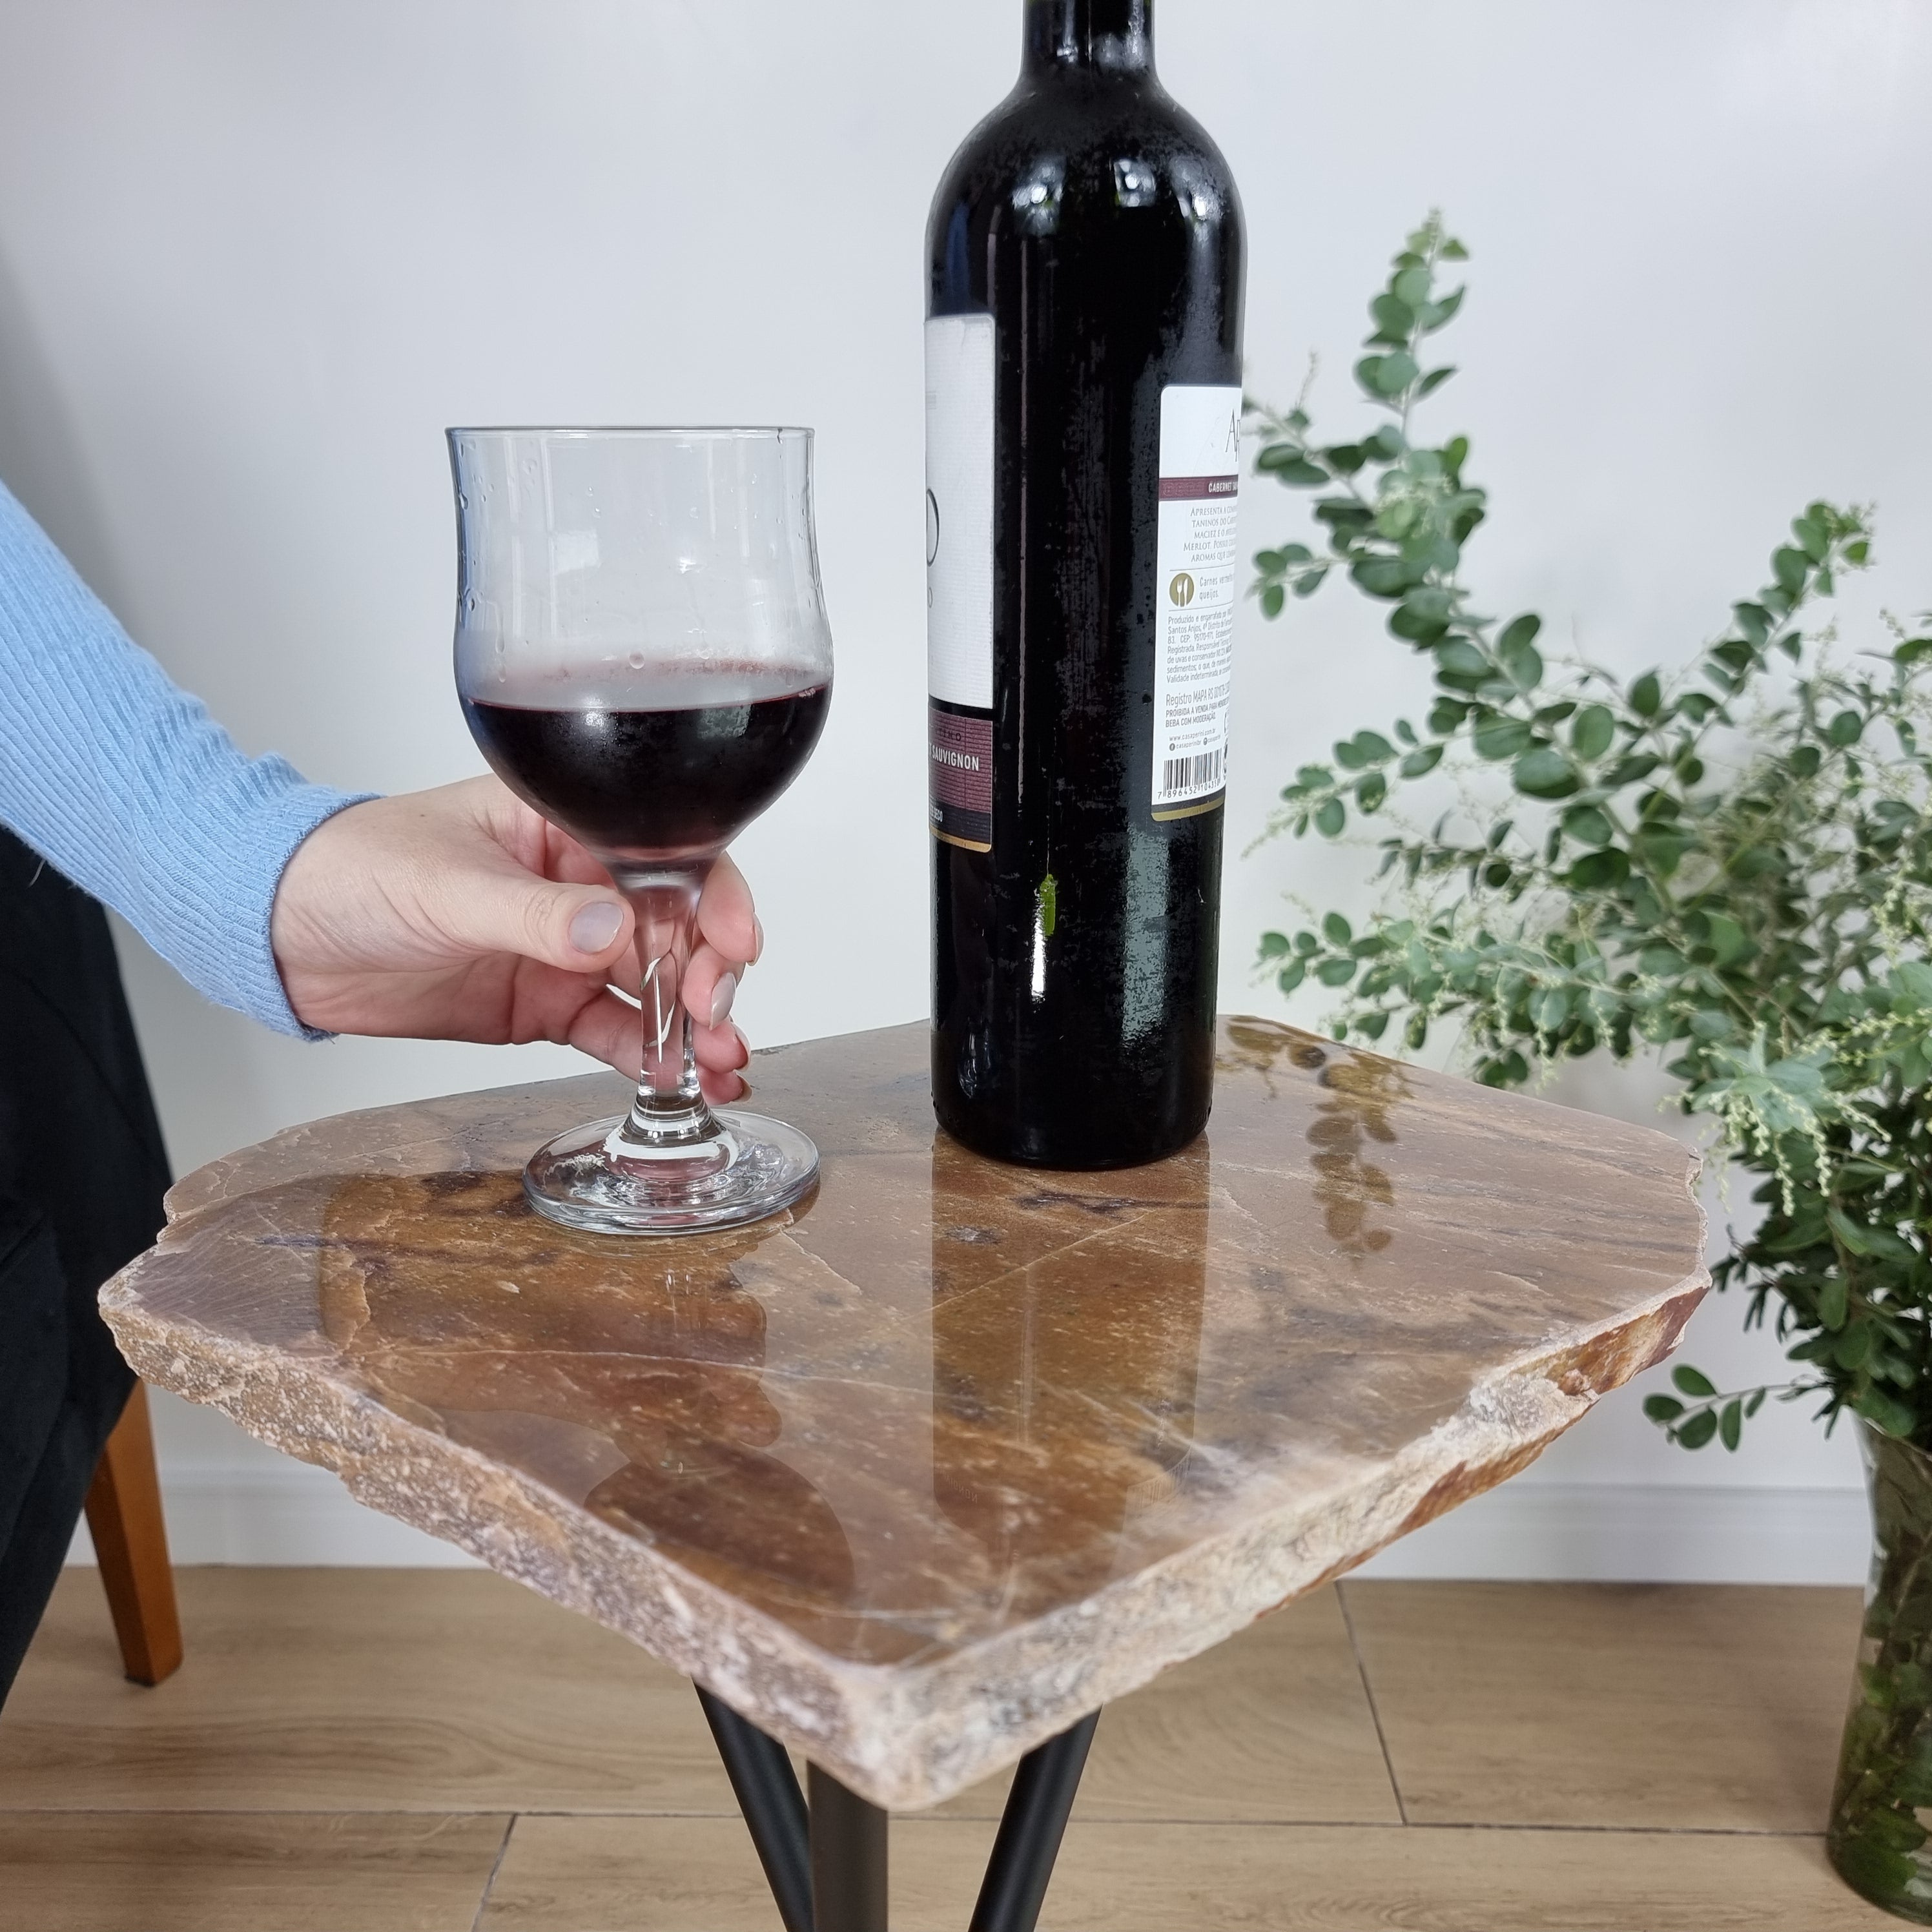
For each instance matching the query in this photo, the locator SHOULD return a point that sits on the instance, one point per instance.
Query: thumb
(577, 929)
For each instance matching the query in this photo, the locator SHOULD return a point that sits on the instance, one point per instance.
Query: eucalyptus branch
(1711, 1412)
(1718, 861)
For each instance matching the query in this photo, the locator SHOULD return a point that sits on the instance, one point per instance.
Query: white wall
(253, 258)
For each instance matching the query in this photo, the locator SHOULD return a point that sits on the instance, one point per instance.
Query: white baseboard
(287, 1513)
(1607, 1533)
(291, 1513)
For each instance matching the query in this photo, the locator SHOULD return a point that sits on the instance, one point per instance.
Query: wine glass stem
(669, 1110)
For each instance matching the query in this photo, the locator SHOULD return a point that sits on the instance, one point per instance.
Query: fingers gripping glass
(642, 654)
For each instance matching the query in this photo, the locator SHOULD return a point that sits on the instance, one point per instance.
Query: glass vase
(1879, 1839)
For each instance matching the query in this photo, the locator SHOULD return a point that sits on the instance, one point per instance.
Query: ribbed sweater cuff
(230, 897)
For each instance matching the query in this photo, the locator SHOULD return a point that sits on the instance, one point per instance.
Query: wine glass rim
(694, 432)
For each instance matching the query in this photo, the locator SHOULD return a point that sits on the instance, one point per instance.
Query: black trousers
(83, 1170)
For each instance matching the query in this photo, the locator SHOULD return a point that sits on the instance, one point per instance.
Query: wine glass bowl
(643, 656)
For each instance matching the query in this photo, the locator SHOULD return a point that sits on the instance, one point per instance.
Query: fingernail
(757, 938)
(595, 926)
(744, 1046)
(722, 995)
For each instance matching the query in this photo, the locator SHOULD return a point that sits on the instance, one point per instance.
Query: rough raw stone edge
(901, 1736)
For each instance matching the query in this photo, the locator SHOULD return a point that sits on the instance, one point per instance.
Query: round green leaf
(1411, 285)
(1337, 930)
(1393, 317)
(1502, 738)
(1544, 772)
(1884, 1411)
(1422, 616)
(1550, 1009)
(1693, 1382)
(1387, 375)
(1596, 870)
(1516, 652)
(1594, 732)
(1699, 1429)
(1588, 826)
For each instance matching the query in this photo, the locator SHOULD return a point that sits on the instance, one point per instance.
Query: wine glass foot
(577, 1180)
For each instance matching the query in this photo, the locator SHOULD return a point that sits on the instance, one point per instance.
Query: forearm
(126, 785)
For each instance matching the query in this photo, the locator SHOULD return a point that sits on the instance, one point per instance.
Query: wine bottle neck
(1109, 36)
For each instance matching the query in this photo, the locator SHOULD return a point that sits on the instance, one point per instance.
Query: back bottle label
(1194, 602)
(959, 577)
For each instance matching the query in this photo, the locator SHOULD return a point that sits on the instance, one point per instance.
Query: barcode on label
(1179, 776)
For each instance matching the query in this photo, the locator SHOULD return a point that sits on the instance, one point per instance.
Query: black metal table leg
(1030, 1829)
(774, 1807)
(827, 1867)
(848, 1857)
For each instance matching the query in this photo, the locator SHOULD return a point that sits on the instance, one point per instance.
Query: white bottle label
(1194, 606)
(959, 576)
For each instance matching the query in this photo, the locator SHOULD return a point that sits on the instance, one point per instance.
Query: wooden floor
(369, 1751)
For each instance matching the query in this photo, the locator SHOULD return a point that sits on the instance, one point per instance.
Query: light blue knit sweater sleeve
(126, 783)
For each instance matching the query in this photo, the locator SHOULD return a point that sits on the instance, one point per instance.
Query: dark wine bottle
(1083, 408)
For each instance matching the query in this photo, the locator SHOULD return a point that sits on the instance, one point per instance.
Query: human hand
(460, 913)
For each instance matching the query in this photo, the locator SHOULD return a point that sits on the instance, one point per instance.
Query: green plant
(1728, 861)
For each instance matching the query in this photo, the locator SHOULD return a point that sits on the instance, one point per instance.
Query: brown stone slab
(1716, 1708)
(918, 1474)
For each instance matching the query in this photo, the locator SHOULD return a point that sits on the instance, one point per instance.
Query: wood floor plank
(1671, 1706)
(631, 1875)
(1274, 1725)
(653, 1875)
(1245, 1790)
(452, 1689)
(162, 1872)
(336, 1690)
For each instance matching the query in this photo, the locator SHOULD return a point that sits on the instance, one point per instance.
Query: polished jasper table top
(917, 1475)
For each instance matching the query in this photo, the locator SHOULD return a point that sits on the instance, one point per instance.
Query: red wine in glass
(662, 761)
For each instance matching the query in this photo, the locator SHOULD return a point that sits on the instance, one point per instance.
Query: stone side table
(917, 1478)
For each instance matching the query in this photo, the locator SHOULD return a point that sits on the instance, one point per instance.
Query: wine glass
(642, 655)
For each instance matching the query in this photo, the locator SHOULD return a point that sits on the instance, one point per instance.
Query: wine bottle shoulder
(1080, 164)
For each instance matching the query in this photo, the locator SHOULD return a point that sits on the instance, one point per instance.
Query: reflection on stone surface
(1362, 1090)
(916, 1477)
(1063, 1387)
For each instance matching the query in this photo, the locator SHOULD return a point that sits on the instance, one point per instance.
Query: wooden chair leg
(130, 1541)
